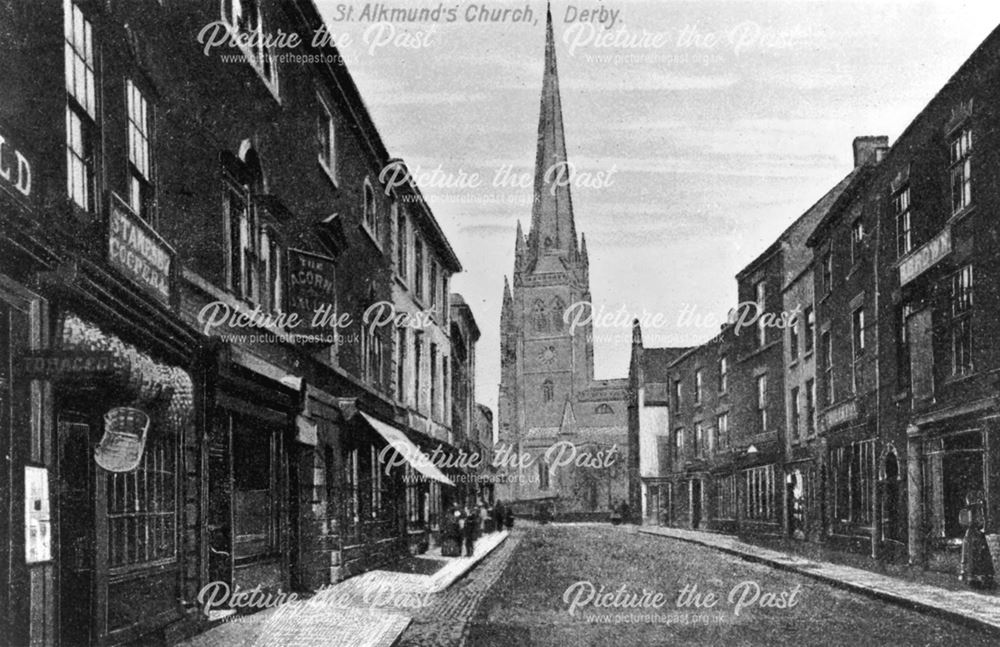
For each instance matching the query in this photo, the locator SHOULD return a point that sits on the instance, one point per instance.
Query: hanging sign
(121, 447)
(63, 364)
(138, 251)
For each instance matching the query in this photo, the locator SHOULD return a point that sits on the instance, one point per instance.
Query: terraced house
(870, 423)
(164, 212)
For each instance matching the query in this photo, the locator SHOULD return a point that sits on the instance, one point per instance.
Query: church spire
(553, 231)
(519, 249)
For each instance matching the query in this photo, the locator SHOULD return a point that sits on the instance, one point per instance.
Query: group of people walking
(463, 525)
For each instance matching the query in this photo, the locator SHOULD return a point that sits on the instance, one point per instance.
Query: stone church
(550, 406)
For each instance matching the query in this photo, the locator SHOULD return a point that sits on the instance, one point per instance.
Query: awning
(405, 447)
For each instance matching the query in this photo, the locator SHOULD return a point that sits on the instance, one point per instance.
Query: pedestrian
(451, 533)
(498, 515)
(471, 519)
(508, 516)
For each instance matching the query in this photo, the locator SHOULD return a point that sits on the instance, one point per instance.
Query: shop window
(954, 468)
(758, 482)
(725, 497)
(352, 498)
(862, 481)
(255, 490)
(142, 506)
(81, 108)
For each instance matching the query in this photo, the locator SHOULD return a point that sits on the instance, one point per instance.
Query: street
(523, 593)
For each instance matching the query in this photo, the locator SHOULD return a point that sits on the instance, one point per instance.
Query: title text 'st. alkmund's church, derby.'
(548, 394)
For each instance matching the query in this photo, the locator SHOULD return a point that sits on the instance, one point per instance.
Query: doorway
(695, 503)
(77, 541)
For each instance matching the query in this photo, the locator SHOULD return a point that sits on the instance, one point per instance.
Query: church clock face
(548, 355)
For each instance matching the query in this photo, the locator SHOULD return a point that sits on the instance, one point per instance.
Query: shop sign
(138, 251)
(124, 440)
(925, 257)
(56, 365)
(840, 414)
(312, 289)
(15, 170)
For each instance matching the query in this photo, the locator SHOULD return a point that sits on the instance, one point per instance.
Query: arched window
(603, 409)
(548, 391)
(538, 317)
(543, 474)
(558, 309)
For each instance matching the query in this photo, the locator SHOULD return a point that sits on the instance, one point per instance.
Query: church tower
(546, 364)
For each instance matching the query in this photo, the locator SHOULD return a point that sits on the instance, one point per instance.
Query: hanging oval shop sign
(121, 447)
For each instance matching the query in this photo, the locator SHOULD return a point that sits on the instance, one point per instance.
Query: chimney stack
(869, 149)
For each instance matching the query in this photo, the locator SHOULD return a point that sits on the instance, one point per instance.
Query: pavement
(372, 609)
(966, 607)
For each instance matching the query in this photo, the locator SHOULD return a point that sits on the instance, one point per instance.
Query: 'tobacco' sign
(136, 250)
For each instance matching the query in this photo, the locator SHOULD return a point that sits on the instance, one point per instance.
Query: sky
(697, 131)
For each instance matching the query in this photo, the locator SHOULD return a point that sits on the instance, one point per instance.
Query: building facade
(550, 407)
(882, 434)
(166, 214)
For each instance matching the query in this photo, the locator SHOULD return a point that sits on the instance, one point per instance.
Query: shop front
(252, 428)
(122, 430)
(949, 461)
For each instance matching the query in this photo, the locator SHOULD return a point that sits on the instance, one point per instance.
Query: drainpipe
(878, 489)
(915, 503)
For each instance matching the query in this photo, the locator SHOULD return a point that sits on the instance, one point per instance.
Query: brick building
(164, 211)
(869, 423)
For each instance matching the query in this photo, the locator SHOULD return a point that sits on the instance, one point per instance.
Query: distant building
(548, 394)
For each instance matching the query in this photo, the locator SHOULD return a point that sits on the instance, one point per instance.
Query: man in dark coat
(471, 530)
(498, 515)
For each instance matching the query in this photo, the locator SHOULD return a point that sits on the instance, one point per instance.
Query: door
(77, 555)
(695, 503)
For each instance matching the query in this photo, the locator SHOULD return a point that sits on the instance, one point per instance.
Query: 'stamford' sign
(136, 250)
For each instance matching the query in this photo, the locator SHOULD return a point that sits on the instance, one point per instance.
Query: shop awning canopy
(406, 448)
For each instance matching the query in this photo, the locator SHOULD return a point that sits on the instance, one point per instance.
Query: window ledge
(371, 235)
(961, 214)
